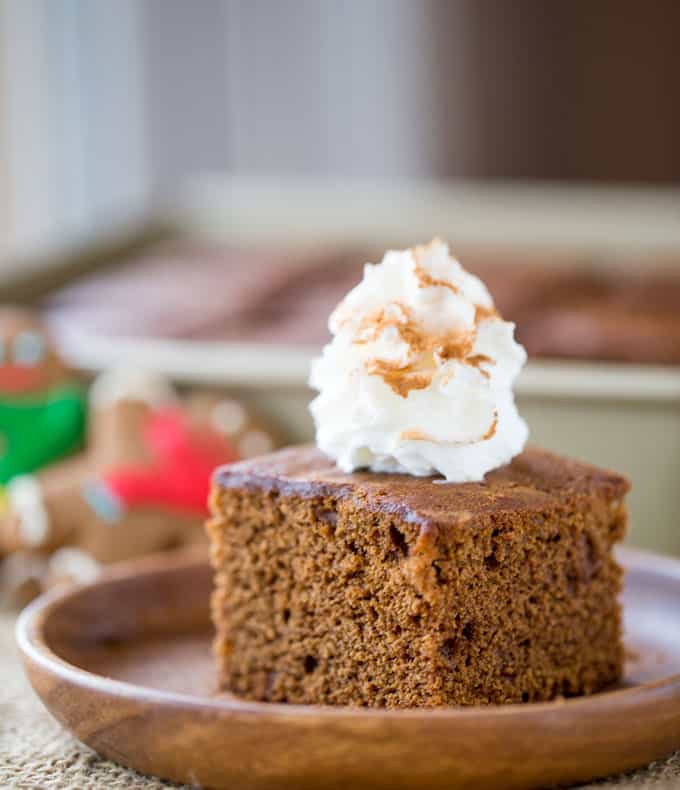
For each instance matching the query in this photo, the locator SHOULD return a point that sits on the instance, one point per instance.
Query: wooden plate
(125, 665)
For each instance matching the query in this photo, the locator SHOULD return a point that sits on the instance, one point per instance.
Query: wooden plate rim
(34, 649)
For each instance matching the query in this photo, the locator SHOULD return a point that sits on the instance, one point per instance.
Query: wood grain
(125, 665)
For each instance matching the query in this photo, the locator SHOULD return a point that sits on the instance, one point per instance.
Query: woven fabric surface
(37, 754)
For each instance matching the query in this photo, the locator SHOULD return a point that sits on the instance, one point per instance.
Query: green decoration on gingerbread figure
(42, 409)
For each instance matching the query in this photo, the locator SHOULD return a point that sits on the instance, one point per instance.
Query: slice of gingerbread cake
(419, 555)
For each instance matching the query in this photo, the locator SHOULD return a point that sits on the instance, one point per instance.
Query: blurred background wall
(105, 105)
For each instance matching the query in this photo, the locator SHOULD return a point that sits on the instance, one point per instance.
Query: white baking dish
(622, 416)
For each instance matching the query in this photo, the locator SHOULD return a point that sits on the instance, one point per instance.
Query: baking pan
(622, 416)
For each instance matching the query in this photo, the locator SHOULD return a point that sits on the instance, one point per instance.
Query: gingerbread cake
(377, 589)
(565, 306)
(419, 555)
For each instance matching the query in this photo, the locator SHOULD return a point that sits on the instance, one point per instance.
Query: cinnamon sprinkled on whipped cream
(418, 377)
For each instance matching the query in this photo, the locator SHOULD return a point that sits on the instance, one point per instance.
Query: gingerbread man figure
(140, 487)
(42, 406)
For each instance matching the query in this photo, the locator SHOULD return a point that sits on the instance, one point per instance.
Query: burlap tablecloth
(36, 753)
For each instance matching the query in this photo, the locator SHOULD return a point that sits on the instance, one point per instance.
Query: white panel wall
(74, 131)
(108, 102)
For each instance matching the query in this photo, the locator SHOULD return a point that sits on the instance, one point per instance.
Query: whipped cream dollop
(418, 376)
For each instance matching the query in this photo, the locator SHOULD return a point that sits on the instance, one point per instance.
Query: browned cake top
(535, 480)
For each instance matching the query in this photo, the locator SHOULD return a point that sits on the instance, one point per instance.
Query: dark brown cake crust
(374, 589)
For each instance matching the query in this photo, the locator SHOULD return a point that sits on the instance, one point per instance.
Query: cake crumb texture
(390, 590)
